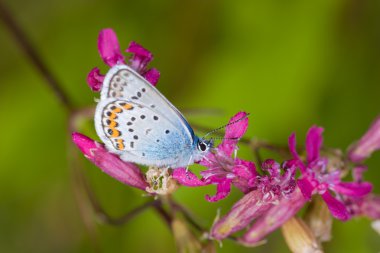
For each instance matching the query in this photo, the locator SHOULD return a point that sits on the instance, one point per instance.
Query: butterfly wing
(123, 82)
(140, 134)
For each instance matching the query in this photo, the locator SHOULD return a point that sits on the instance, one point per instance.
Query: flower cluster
(223, 169)
(319, 178)
(111, 54)
(318, 175)
(273, 192)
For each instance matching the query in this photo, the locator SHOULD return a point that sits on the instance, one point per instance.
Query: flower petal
(141, 57)
(306, 187)
(95, 79)
(369, 143)
(152, 76)
(109, 48)
(222, 190)
(127, 173)
(241, 214)
(274, 218)
(237, 128)
(292, 146)
(293, 151)
(272, 167)
(370, 206)
(314, 141)
(352, 189)
(357, 173)
(337, 208)
(187, 178)
(245, 172)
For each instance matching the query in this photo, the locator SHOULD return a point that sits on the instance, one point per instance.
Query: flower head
(318, 179)
(273, 189)
(223, 169)
(109, 50)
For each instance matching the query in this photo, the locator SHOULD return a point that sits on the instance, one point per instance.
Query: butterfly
(136, 122)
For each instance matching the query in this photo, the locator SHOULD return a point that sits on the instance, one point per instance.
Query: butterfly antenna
(229, 124)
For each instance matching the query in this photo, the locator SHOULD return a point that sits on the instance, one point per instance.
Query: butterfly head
(203, 145)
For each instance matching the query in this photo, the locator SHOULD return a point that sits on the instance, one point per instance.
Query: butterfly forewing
(123, 82)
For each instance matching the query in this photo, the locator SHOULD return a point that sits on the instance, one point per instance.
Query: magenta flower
(224, 169)
(317, 178)
(369, 143)
(273, 218)
(127, 173)
(111, 54)
(368, 205)
(272, 190)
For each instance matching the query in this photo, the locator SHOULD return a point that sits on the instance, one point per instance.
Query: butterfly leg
(235, 152)
(187, 167)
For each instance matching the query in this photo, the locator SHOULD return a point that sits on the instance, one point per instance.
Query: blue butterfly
(136, 122)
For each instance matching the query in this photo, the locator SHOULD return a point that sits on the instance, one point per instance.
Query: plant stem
(105, 217)
(187, 215)
(26, 45)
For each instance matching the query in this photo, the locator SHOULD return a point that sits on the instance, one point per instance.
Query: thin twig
(104, 216)
(256, 152)
(85, 210)
(261, 144)
(187, 215)
(78, 115)
(164, 214)
(26, 45)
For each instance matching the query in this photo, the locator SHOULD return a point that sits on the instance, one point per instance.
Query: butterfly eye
(202, 146)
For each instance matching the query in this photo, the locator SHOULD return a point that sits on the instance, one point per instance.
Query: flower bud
(299, 237)
(369, 143)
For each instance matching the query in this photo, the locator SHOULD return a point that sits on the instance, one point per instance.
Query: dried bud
(319, 219)
(185, 240)
(299, 237)
(160, 181)
(376, 226)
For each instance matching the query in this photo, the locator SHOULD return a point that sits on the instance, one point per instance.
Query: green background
(291, 64)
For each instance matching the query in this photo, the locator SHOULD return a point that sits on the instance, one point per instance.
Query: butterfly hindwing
(140, 134)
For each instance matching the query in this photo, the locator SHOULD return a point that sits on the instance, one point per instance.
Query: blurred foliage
(290, 64)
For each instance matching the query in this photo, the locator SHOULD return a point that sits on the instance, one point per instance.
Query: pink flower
(95, 79)
(224, 170)
(368, 205)
(316, 178)
(109, 48)
(111, 54)
(273, 218)
(273, 193)
(127, 173)
(369, 143)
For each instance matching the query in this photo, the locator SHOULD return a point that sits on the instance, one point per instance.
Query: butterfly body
(136, 122)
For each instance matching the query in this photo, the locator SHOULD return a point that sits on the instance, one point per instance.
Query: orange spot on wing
(115, 133)
(117, 110)
(120, 144)
(128, 106)
(113, 124)
(113, 116)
